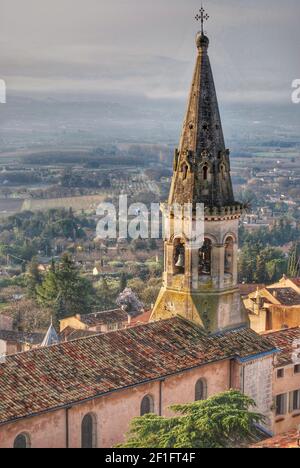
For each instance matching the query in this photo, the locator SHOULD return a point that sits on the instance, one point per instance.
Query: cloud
(148, 48)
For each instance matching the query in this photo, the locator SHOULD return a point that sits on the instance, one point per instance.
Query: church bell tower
(201, 284)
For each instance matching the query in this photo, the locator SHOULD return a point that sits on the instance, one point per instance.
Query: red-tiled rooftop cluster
(63, 374)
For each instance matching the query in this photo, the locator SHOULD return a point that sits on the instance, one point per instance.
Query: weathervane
(203, 16)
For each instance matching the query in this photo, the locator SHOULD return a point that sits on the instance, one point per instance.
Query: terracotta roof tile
(246, 289)
(63, 374)
(286, 341)
(70, 334)
(286, 296)
(289, 440)
(106, 317)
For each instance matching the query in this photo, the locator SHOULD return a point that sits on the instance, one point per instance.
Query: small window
(297, 369)
(185, 169)
(205, 173)
(22, 441)
(295, 401)
(280, 373)
(281, 405)
(223, 171)
(147, 405)
(89, 432)
(201, 390)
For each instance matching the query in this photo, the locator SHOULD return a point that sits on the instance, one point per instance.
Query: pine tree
(223, 421)
(65, 291)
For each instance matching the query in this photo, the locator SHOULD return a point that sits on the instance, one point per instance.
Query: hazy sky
(147, 47)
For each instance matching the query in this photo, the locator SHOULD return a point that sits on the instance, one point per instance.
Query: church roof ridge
(68, 373)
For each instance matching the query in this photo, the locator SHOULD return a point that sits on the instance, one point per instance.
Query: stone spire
(200, 283)
(201, 163)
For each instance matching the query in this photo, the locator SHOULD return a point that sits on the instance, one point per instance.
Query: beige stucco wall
(114, 412)
(258, 322)
(281, 316)
(289, 383)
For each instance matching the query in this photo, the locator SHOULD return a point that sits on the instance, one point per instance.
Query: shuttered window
(281, 405)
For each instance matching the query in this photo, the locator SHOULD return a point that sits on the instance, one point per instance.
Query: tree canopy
(64, 290)
(222, 421)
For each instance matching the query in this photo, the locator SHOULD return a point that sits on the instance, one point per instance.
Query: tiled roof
(67, 373)
(285, 340)
(106, 317)
(21, 337)
(246, 289)
(70, 334)
(286, 296)
(289, 440)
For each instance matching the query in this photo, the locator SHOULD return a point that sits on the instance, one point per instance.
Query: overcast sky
(147, 47)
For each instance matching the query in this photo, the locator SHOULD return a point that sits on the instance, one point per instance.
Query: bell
(180, 261)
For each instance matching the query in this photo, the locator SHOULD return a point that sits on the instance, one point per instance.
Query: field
(89, 202)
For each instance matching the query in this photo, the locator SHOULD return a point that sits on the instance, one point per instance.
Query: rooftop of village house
(105, 317)
(286, 296)
(289, 440)
(288, 341)
(21, 337)
(70, 334)
(246, 289)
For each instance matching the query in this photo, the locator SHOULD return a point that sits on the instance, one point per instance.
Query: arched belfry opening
(205, 172)
(229, 256)
(179, 257)
(205, 257)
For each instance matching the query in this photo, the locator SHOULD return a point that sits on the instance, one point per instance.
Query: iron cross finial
(202, 16)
